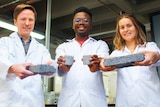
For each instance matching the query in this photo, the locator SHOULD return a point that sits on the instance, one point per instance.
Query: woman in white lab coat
(20, 87)
(139, 85)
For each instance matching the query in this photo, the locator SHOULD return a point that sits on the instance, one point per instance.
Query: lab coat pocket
(12, 57)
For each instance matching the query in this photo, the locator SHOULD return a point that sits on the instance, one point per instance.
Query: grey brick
(42, 69)
(124, 61)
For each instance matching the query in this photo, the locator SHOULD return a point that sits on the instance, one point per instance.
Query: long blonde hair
(119, 42)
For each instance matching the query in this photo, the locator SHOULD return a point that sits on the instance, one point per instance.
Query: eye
(31, 20)
(22, 19)
(129, 25)
(86, 20)
(121, 27)
(77, 20)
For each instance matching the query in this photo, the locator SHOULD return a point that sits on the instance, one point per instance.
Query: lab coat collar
(89, 39)
(19, 44)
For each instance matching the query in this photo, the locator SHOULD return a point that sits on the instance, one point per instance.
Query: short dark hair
(83, 9)
(19, 8)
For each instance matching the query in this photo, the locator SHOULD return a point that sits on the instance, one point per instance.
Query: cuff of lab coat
(4, 71)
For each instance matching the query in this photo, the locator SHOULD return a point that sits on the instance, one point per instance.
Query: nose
(27, 22)
(125, 28)
(81, 21)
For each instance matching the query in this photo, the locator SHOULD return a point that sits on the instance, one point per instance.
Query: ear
(15, 21)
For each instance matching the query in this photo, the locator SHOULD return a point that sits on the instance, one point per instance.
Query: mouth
(127, 34)
(26, 28)
(81, 28)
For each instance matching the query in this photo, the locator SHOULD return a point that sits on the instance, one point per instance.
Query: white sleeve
(152, 46)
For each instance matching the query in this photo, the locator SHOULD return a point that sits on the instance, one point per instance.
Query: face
(127, 29)
(25, 22)
(81, 24)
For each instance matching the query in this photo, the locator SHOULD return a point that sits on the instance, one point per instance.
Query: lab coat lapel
(33, 45)
(17, 47)
(18, 42)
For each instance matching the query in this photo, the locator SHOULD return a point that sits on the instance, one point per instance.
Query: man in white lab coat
(83, 84)
(20, 87)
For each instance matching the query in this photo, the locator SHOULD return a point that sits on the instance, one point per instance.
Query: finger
(27, 73)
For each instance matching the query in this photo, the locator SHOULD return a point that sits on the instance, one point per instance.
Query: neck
(24, 37)
(81, 40)
(131, 46)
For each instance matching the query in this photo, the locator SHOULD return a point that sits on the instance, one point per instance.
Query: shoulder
(100, 42)
(4, 38)
(7, 38)
(152, 46)
(66, 43)
(36, 43)
(150, 43)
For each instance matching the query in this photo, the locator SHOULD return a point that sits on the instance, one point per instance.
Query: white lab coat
(15, 92)
(138, 86)
(80, 86)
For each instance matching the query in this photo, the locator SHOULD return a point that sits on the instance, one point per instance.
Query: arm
(62, 69)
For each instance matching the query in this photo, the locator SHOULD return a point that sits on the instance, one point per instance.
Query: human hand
(61, 64)
(20, 70)
(94, 63)
(151, 57)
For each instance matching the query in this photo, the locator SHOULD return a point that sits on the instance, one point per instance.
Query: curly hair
(83, 9)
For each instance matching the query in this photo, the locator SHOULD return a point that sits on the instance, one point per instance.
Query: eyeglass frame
(85, 20)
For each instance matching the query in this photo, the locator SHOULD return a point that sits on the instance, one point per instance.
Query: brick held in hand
(42, 69)
(69, 59)
(124, 61)
(86, 59)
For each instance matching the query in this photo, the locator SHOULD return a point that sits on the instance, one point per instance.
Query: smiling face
(81, 24)
(127, 30)
(25, 22)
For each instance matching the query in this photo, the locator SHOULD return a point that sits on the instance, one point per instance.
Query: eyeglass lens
(83, 19)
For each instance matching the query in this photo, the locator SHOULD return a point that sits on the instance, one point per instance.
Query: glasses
(85, 20)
